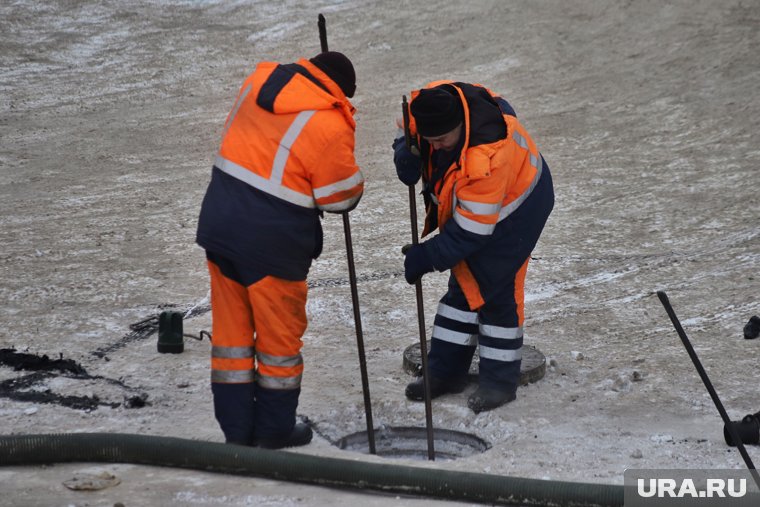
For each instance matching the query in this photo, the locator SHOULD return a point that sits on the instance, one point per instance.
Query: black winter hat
(339, 68)
(436, 112)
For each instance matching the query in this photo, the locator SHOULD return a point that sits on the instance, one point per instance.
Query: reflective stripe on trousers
(462, 327)
(495, 328)
(257, 330)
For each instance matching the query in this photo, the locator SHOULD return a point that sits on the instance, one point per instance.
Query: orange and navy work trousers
(496, 327)
(256, 362)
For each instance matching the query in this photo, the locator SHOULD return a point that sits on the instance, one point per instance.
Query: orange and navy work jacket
(287, 155)
(493, 173)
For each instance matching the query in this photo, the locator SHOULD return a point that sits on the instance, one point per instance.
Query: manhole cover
(410, 442)
(532, 368)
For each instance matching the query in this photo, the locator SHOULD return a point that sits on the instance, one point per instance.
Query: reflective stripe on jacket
(287, 153)
(498, 168)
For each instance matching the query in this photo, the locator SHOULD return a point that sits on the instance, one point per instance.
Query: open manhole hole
(532, 368)
(412, 443)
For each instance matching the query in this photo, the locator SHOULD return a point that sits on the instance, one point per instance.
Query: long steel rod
(359, 334)
(706, 380)
(423, 339)
(418, 292)
(354, 291)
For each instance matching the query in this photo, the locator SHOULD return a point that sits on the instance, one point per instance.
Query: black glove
(407, 163)
(416, 262)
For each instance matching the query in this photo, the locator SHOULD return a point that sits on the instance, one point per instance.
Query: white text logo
(714, 488)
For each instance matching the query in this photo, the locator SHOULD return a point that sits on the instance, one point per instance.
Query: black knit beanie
(339, 68)
(436, 112)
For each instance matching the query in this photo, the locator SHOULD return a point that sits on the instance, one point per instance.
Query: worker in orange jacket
(489, 192)
(287, 155)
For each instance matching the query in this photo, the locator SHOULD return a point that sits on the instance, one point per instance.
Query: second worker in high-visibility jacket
(489, 193)
(287, 155)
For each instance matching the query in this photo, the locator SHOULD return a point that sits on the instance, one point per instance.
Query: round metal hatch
(412, 443)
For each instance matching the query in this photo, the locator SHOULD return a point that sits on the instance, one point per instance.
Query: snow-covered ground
(647, 113)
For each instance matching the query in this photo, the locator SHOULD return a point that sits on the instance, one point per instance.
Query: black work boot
(301, 435)
(485, 398)
(415, 391)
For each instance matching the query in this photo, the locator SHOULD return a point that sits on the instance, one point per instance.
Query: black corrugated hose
(18, 450)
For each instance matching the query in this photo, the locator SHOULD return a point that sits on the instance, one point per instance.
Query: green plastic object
(170, 333)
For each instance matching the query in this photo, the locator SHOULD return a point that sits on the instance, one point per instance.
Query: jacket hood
(486, 123)
(292, 88)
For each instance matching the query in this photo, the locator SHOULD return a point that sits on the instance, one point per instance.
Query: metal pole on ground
(706, 380)
(420, 305)
(354, 291)
(359, 334)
